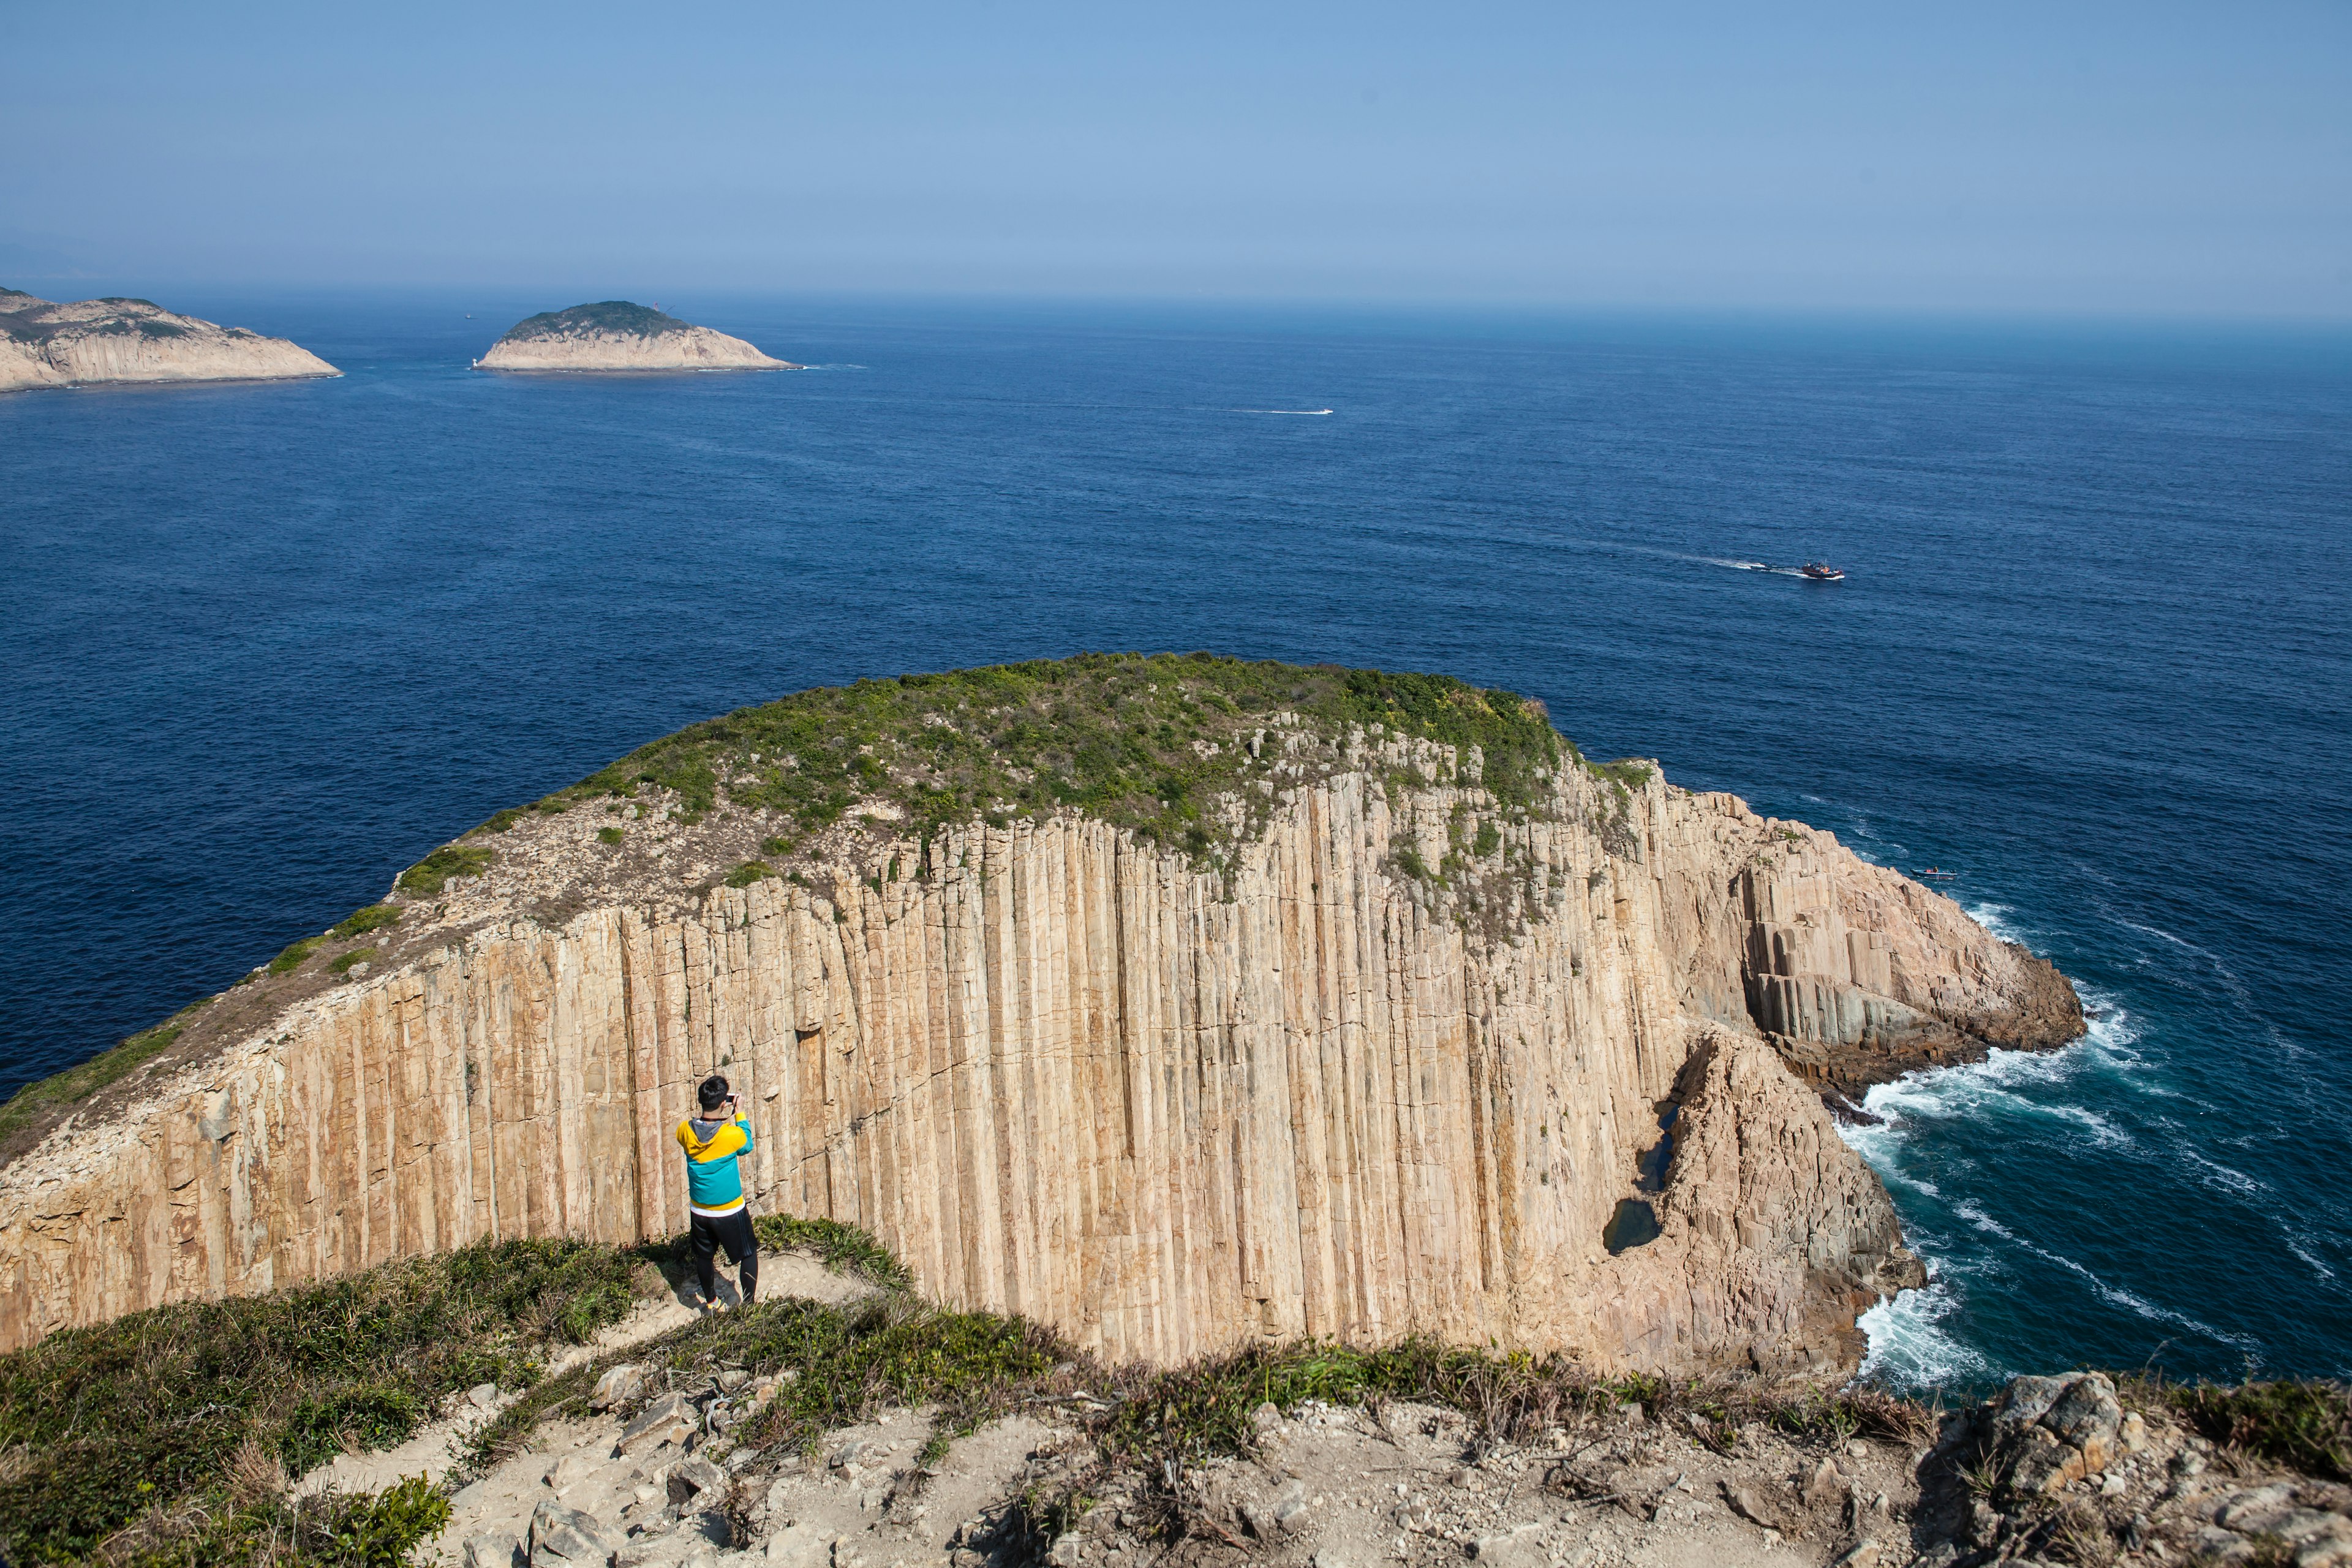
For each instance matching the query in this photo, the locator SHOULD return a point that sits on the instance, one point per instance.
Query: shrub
(428, 876)
(610, 836)
(748, 872)
(291, 959)
(267, 1529)
(359, 923)
(347, 961)
(1626, 773)
(1490, 838)
(369, 1414)
(381, 1531)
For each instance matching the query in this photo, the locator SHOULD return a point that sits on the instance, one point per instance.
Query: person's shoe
(712, 1308)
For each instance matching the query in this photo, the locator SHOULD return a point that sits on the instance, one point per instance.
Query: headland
(1179, 1003)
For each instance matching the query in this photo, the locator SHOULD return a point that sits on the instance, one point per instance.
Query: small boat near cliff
(1820, 572)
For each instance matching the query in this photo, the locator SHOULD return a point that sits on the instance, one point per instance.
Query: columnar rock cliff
(93, 340)
(618, 335)
(1320, 1089)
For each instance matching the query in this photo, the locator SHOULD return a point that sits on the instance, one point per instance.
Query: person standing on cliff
(716, 1140)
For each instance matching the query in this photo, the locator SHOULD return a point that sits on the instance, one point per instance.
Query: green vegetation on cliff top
(1145, 743)
(607, 315)
(77, 1084)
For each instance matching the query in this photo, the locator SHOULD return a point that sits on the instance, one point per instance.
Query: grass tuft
(2305, 1425)
(77, 1084)
(332, 1529)
(836, 1245)
(748, 872)
(429, 876)
(359, 923)
(344, 963)
(1626, 773)
(292, 958)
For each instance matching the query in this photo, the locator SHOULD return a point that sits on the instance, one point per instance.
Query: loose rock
(566, 1535)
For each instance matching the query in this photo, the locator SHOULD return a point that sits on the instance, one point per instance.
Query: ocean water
(263, 646)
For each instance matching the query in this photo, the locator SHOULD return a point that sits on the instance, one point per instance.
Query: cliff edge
(1178, 1003)
(91, 342)
(619, 335)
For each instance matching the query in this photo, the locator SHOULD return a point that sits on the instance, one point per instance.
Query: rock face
(94, 341)
(1061, 1072)
(2058, 1469)
(618, 335)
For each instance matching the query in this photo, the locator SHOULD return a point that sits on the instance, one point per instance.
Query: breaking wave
(1910, 1347)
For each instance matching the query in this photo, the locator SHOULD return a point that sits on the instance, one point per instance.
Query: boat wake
(1310, 411)
(1737, 565)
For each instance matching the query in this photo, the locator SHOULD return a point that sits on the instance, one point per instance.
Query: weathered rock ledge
(619, 335)
(91, 342)
(1065, 1071)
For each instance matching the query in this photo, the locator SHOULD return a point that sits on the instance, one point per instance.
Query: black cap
(713, 1092)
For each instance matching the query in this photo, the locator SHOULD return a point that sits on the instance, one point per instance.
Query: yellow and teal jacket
(714, 1183)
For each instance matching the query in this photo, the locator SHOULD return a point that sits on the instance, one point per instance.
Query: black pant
(733, 1232)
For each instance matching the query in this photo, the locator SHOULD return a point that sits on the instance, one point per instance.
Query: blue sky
(2083, 159)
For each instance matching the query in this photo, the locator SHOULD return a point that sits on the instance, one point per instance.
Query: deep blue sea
(263, 646)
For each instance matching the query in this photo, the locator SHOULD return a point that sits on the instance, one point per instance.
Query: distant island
(620, 335)
(91, 342)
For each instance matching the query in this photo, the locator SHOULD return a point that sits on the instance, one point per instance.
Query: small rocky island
(619, 335)
(89, 342)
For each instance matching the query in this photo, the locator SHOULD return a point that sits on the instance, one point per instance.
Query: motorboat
(1820, 572)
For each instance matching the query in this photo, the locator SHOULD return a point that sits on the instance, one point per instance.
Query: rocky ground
(2065, 1470)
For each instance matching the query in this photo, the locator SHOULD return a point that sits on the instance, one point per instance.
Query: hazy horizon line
(99, 284)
